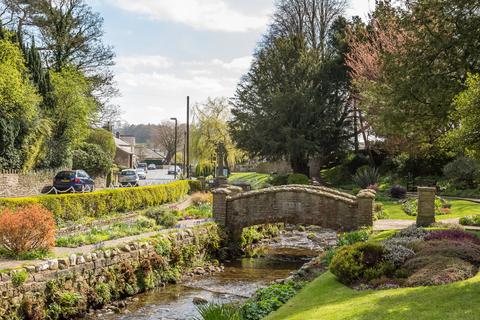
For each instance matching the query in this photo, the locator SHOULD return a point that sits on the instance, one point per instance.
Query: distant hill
(143, 133)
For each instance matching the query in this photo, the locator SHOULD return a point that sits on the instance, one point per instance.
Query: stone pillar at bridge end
(366, 203)
(426, 206)
(220, 205)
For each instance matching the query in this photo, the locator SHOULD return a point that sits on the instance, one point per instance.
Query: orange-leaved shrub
(26, 229)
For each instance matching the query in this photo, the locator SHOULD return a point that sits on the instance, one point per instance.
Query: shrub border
(72, 207)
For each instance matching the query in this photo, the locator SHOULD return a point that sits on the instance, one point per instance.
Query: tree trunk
(168, 157)
(299, 165)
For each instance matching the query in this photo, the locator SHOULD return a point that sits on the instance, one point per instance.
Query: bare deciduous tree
(312, 18)
(164, 139)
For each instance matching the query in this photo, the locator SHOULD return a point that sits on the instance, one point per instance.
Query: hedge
(72, 207)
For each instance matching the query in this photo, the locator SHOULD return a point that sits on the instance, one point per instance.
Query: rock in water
(199, 300)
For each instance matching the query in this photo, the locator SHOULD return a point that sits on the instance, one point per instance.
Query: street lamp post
(175, 154)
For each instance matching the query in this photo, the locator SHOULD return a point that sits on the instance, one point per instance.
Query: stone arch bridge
(294, 204)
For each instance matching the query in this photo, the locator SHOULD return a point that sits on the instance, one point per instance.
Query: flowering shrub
(27, 229)
(410, 207)
(441, 270)
(458, 235)
(412, 232)
(470, 220)
(397, 254)
(363, 261)
(467, 250)
(407, 237)
(442, 206)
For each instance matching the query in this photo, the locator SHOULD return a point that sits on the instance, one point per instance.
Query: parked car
(141, 173)
(128, 177)
(172, 169)
(143, 165)
(79, 180)
(152, 166)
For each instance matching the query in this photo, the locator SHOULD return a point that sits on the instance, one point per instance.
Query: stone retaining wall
(95, 279)
(18, 184)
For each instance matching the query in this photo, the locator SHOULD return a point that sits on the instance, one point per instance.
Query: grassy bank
(256, 180)
(327, 299)
(460, 208)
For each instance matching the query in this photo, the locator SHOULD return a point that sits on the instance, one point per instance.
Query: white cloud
(214, 15)
(238, 64)
(154, 89)
(149, 62)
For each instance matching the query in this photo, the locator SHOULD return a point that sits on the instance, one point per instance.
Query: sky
(167, 50)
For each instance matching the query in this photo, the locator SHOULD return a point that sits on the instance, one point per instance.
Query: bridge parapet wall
(296, 204)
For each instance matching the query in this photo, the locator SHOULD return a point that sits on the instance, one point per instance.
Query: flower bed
(411, 257)
(442, 206)
(470, 220)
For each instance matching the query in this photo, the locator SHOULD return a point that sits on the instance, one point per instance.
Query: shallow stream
(239, 281)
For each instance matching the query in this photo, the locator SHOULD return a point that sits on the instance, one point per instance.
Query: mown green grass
(460, 208)
(256, 180)
(327, 299)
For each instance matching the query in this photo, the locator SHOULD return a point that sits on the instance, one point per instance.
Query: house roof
(122, 145)
(147, 153)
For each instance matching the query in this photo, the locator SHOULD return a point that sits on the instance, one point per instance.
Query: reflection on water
(240, 280)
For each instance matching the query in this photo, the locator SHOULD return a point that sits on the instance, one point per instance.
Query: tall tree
(293, 102)
(74, 107)
(312, 18)
(70, 34)
(18, 106)
(434, 48)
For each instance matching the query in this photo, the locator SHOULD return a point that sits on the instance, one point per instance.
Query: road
(158, 176)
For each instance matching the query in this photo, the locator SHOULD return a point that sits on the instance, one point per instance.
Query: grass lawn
(460, 208)
(327, 299)
(256, 180)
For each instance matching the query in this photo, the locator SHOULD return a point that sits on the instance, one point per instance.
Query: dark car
(79, 180)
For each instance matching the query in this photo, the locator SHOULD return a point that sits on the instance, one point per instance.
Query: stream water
(239, 281)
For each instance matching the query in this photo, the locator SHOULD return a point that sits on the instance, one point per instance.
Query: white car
(128, 177)
(171, 170)
(141, 173)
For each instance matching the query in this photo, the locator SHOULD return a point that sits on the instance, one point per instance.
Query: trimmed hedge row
(71, 207)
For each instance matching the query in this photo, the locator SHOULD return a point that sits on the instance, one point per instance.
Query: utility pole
(175, 154)
(187, 142)
(184, 152)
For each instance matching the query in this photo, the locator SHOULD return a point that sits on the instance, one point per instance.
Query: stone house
(148, 155)
(125, 153)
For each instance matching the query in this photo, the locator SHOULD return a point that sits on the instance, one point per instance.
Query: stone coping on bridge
(293, 204)
(322, 191)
